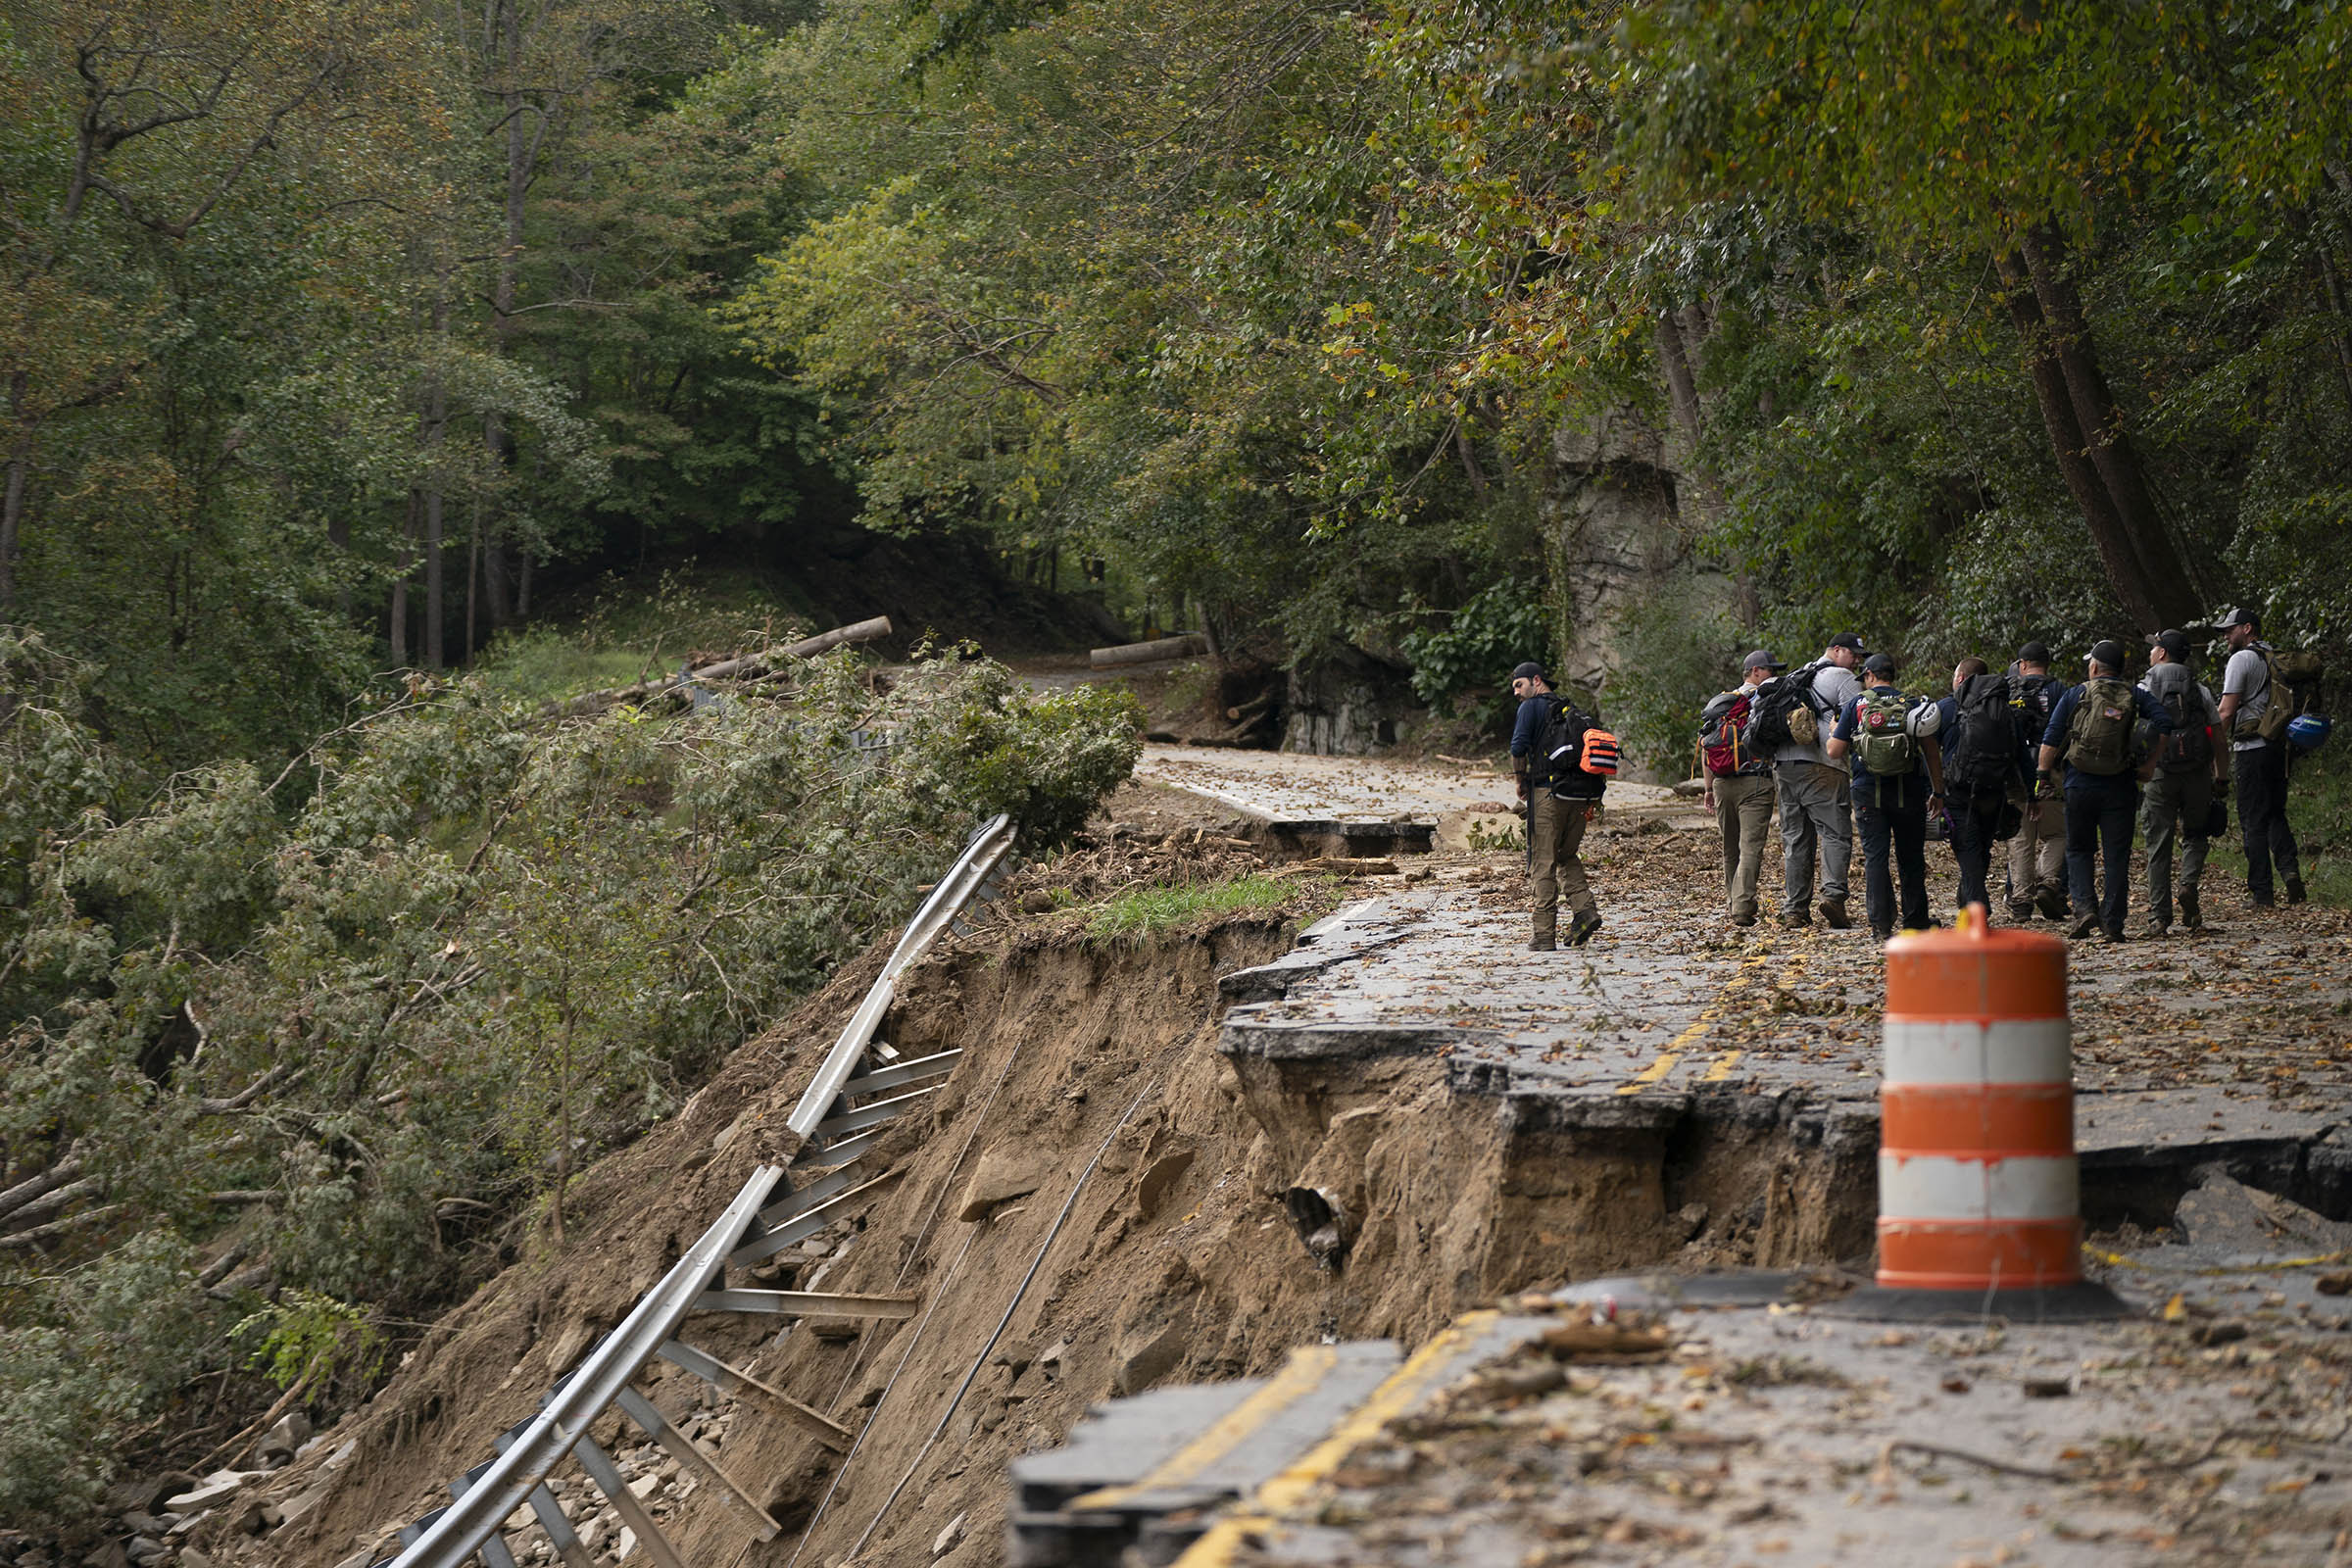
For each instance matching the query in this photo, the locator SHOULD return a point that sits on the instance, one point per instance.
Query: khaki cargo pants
(1555, 832)
(1743, 810)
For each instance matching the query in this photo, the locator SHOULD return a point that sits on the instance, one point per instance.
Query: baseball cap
(1760, 660)
(2236, 616)
(2173, 643)
(2033, 653)
(1846, 639)
(1530, 670)
(2107, 651)
(1878, 664)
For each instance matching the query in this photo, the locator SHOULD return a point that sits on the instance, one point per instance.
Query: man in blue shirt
(1560, 799)
(1897, 780)
(2096, 728)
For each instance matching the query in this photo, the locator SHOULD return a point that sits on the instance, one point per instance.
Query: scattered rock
(1004, 1171)
(1149, 1355)
(1160, 1175)
(2225, 1332)
(2048, 1388)
(625, 1544)
(1036, 902)
(217, 1488)
(949, 1539)
(2338, 1282)
(278, 1444)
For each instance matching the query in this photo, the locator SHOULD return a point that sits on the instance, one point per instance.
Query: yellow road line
(1300, 1376)
(1290, 1488)
(1722, 1068)
(1672, 1056)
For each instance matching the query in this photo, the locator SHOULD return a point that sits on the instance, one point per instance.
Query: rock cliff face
(1627, 513)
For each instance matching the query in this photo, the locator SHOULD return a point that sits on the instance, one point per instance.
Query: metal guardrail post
(748, 1229)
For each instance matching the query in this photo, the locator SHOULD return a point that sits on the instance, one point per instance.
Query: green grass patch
(620, 633)
(1162, 907)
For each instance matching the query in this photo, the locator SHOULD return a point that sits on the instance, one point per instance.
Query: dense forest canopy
(333, 329)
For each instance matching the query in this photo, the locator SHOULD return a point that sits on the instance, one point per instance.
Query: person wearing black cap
(2037, 853)
(1817, 800)
(2192, 774)
(1739, 785)
(1899, 782)
(1560, 799)
(2260, 764)
(2094, 728)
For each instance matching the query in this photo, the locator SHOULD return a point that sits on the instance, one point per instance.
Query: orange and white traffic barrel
(1977, 1188)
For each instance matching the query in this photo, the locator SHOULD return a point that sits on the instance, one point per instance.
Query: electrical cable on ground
(1020, 1291)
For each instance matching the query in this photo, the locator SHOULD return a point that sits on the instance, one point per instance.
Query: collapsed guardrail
(855, 1094)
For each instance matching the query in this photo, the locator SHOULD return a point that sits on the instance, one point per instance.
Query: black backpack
(2190, 745)
(2033, 699)
(1980, 758)
(1775, 701)
(1560, 751)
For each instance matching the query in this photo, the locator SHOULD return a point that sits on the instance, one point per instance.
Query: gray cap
(2107, 651)
(1531, 671)
(1760, 660)
(2236, 616)
(1880, 665)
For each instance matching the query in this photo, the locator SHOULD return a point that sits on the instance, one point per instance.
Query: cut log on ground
(746, 667)
(1186, 646)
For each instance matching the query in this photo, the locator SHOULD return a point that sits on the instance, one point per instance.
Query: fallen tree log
(748, 667)
(1184, 645)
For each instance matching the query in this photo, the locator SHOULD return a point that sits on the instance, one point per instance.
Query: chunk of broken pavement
(1004, 1173)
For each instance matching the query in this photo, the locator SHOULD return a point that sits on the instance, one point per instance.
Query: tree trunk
(436, 432)
(2066, 338)
(473, 575)
(12, 501)
(522, 589)
(2125, 573)
(396, 626)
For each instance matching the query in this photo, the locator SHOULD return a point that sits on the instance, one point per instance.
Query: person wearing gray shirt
(2260, 765)
(1817, 804)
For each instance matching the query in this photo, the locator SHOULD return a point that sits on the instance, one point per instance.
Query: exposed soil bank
(1099, 1180)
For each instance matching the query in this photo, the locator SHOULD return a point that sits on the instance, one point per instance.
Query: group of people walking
(2060, 774)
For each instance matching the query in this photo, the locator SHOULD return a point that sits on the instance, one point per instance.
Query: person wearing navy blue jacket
(2099, 807)
(1891, 810)
(1560, 799)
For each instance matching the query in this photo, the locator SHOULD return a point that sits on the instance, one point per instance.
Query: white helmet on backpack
(1924, 720)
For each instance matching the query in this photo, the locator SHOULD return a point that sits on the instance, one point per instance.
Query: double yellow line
(1679, 1046)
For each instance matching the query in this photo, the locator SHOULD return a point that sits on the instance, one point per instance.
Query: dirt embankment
(1094, 1203)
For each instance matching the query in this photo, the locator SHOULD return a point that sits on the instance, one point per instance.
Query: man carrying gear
(1897, 780)
(2095, 727)
(1793, 718)
(2191, 778)
(1987, 765)
(1564, 760)
(2037, 854)
(1739, 785)
(2254, 715)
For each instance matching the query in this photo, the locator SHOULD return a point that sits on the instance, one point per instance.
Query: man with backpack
(1897, 780)
(2037, 854)
(1740, 786)
(1986, 770)
(2188, 782)
(1793, 718)
(2096, 728)
(1564, 761)
(2254, 715)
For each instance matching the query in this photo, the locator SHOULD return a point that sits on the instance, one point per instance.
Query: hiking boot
(1794, 922)
(2085, 925)
(2294, 889)
(2190, 915)
(2154, 931)
(1882, 934)
(1580, 929)
(2114, 936)
(2052, 905)
(1542, 944)
(2021, 912)
(1743, 919)
(1832, 915)
(2262, 901)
